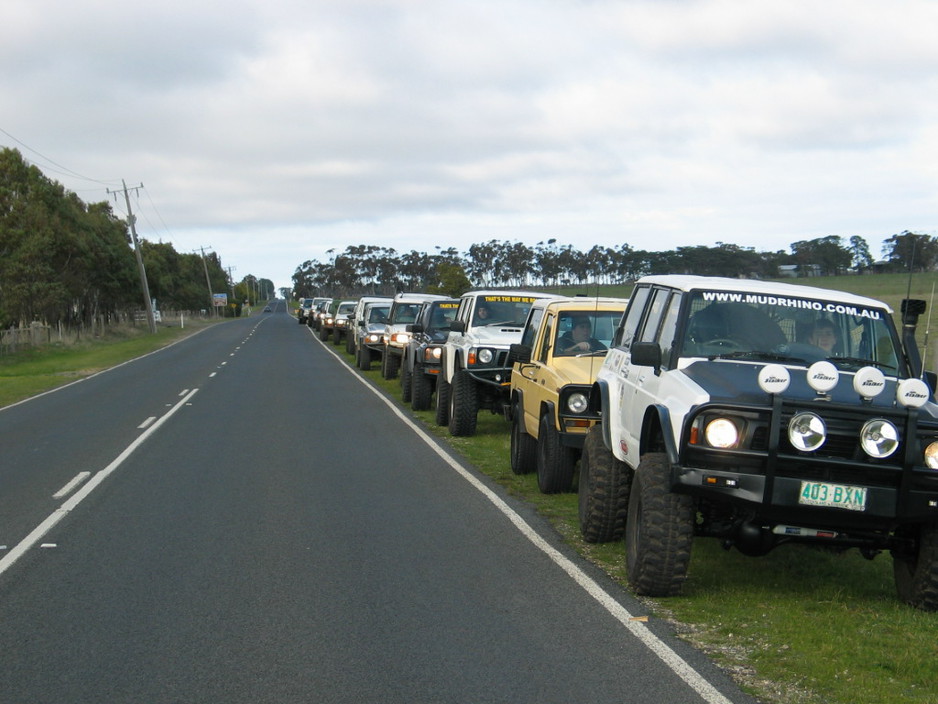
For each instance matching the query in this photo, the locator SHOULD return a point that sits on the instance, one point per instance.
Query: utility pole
(208, 282)
(131, 220)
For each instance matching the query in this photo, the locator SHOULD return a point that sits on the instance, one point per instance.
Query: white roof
(687, 282)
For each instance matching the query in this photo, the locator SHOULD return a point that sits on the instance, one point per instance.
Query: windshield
(378, 314)
(502, 310)
(786, 329)
(405, 312)
(580, 332)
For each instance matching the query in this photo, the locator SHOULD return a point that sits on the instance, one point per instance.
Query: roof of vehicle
(419, 297)
(583, 303)
(687, 282)
(510, 292)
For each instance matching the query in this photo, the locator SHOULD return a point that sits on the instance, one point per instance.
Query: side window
(546, 339)
(655, 312)
(530, 330)
(669, 330)
(465, 309)
(633, 315)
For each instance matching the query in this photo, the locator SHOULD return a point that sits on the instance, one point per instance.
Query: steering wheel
(725, 343)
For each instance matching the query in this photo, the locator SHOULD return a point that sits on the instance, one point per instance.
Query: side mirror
(646, 354)
(519, 353)
(414, 327)
(457, 326)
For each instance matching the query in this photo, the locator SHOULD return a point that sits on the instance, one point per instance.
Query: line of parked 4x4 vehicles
(752, 412)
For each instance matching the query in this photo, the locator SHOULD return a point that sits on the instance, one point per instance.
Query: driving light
(931, 455)
(577, 403)
(721, 433)
(879, 438)
(432, 354)
(807, 432)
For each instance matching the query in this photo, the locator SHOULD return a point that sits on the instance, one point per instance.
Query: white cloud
(283, 128)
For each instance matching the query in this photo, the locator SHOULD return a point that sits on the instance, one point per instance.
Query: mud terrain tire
(603, 489)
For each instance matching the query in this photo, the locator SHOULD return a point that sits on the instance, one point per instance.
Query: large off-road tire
(443, 390)
(389, 365)
(523, 450)
(364, 359)
(407, 387)
(337, 337)
(421, 394)
(659, 530)
(350, 342)
(323, 333)
(556, 462)
(917, 576)
(603, 491)
(463, 405)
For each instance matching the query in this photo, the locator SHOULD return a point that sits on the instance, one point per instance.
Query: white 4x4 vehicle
(476, 373)
(761, 413)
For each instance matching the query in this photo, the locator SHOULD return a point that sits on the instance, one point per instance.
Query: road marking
(53, 518)
(145, 423)
(212, 374)
(70, 487)
(183, 392)
(639, 629)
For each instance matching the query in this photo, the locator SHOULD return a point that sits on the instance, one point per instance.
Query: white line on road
(678, 665)
(144, 424)
(70, 487)
(39, 531)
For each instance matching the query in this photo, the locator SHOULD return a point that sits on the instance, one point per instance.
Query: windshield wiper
(860, 361)
(757, 354)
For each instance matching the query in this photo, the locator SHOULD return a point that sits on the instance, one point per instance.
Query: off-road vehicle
(320, 309)
(475, 359)
(760, 414)
(371, 315)
(420, 363)
(404, 311)
(562, 347)
(337, 323)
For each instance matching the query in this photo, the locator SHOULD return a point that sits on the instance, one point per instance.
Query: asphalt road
(249, 522)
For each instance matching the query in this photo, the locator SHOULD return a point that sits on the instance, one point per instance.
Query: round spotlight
(486, 356)
(931, 455)
(869, 382)
(774, 378)
(823, 376)
(912, 392)
(879, 438)
(807, 432)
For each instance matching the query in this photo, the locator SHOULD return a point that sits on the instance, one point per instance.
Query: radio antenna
(927, 328)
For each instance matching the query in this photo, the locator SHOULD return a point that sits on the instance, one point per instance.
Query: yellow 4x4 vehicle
(562, 347)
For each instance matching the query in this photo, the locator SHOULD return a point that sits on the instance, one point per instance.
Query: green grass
(36, 370)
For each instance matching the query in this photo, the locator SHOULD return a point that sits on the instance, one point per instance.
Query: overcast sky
(275, 130)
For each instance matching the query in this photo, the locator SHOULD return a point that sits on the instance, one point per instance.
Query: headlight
(807, 432)
(577, 403)
(879, 438)
(401, 338)
(372, 337)
(931, 455)
(721, 433)
(486, 356)
(432, 354)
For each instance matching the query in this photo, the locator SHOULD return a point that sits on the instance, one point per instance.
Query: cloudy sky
(272, 131)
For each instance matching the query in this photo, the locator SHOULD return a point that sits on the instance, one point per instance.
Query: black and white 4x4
(759, 414)
(404, 311)
(476, 373)
(422, 358)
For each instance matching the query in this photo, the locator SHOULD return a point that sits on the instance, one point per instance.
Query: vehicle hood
(496, 335)
(738, 382)
(576, 370)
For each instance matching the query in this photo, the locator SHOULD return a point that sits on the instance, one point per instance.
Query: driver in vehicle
(824, 335)
(579, 338)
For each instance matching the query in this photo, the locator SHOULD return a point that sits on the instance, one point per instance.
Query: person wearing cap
(579, 339)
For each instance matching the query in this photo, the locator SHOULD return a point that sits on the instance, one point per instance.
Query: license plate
(852, 498)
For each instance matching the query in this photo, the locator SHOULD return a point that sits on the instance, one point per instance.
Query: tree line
(70, 262)
(498, 264)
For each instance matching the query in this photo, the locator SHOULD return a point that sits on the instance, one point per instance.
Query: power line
(65, 170)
